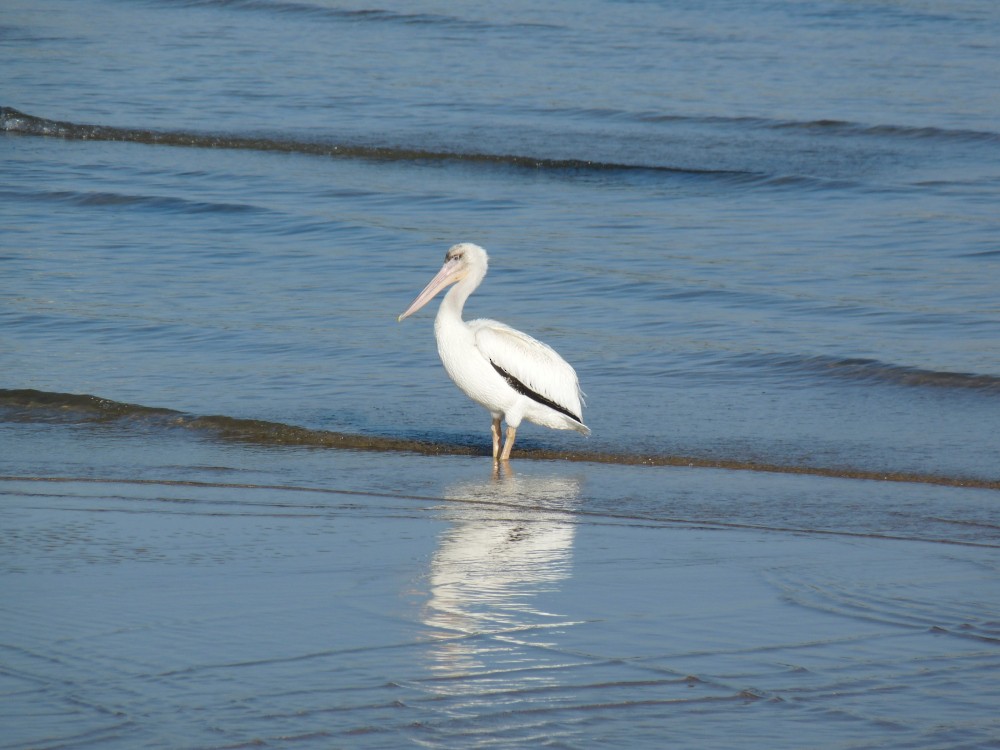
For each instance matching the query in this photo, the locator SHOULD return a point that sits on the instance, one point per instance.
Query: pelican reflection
(509, 544)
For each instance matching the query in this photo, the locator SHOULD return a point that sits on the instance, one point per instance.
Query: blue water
(762, 233)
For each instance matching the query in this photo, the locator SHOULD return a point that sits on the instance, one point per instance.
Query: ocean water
(764, 234)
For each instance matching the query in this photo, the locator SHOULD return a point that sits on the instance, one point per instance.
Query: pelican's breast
(468, 368)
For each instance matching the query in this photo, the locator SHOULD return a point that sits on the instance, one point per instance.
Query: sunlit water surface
(764, 235)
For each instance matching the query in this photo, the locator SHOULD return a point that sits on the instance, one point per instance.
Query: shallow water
(764, 235)
(163, 591)
(279, 311)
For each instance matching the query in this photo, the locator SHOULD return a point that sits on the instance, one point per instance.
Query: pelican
(512, 375)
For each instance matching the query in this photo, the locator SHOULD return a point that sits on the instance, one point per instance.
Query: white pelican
(509, 373)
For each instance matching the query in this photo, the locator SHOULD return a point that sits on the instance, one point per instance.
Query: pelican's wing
(535, 365)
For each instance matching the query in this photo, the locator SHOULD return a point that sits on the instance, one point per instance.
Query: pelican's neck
(451, 307)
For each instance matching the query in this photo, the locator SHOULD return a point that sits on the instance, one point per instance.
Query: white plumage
(506, 371)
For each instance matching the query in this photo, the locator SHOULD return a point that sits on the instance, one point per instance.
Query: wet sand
(161, 590)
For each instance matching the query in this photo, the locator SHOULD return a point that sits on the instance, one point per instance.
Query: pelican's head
(461, 261)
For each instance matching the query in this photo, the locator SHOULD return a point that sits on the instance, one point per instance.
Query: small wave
(123, 200)
(745, 122)
(13, 121)
(873, 370)
(841, 127)
(32, 406)
(847, 128)
(353, 15)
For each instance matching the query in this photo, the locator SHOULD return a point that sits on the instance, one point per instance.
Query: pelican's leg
(495, 431)
(508, 443)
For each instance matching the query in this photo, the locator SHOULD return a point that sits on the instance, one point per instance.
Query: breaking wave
(27, 405)
(739, 172)
(13, 121)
